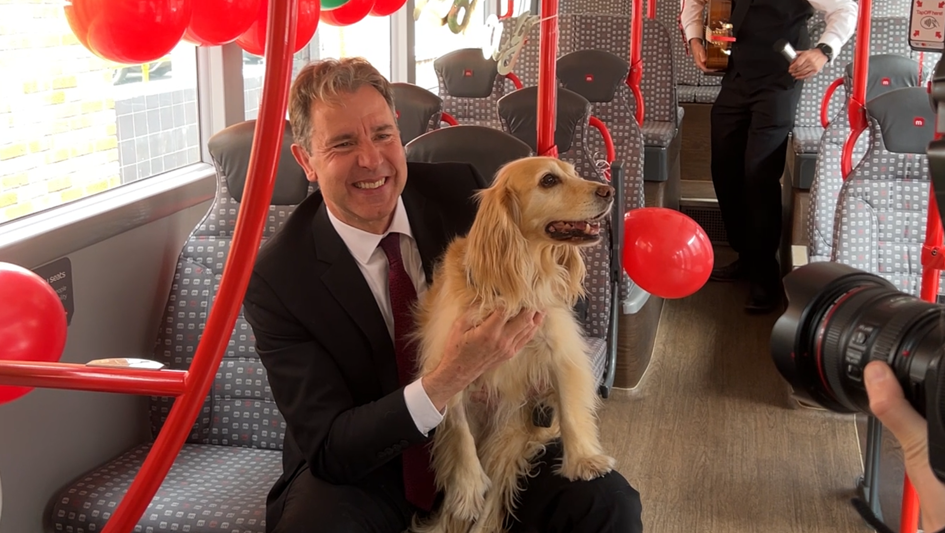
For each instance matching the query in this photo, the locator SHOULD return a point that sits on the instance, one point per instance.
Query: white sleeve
(422, 410)
(841, 17)
(691, 19)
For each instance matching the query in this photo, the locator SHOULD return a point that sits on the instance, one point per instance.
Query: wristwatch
(825, 48)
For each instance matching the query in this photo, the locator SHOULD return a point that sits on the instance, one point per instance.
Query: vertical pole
(547, 79)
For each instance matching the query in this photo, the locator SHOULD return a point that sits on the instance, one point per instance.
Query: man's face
(356, 159)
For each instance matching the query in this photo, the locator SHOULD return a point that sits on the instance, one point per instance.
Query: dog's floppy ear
(496, 263)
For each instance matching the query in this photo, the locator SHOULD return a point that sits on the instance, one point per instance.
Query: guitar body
(719, 35)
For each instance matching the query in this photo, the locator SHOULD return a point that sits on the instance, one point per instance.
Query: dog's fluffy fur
(522, 252)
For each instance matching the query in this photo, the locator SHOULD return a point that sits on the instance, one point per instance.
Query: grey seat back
(611, 33)
(882, 206)
(239, 410)
(470, 86)
(888, 35)
(887, 72)
(485, 148)
(600, 77)
(418, 110)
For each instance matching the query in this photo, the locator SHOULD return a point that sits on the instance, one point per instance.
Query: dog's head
(531, 221)
(549, 201)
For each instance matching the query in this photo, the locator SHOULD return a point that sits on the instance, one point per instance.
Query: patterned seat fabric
(518, 112)
(418, 110)
(611, 33)
(234, 451)
(219, 489)
(470, 86)
(599, 77)
(886, 72)
(485, 148)
(882, 207)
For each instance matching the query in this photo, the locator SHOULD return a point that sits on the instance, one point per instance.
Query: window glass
(73, 124)
(370, 38)
(432, 40)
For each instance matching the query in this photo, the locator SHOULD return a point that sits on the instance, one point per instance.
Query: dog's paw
(586, 467)
(467, 496)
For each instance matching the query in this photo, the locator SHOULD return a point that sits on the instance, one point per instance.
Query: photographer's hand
(891, 408)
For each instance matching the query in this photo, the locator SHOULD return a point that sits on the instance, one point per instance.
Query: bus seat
(599, 76)
(485, 148)
(886, 72)
(518, 112)
(611, 33)
(233, 455)
(882, 206)
(888, 36)
(470, 86)
(418, 110)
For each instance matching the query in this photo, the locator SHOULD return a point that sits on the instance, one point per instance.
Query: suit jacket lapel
(427, 227)
(344, 280)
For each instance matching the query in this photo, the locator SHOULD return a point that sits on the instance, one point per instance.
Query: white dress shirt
(366, 250)
(840, 16)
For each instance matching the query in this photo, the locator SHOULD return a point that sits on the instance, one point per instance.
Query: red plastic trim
(825, 103)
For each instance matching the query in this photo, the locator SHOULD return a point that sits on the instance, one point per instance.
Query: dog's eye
(549, 180)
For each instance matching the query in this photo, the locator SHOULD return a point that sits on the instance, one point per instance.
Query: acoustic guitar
(719, 35)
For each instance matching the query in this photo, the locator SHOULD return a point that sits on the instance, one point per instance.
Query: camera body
(838, 320)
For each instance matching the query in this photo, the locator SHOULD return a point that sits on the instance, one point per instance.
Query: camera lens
(839, 319)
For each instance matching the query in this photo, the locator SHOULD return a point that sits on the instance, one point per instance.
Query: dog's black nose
(605, 191)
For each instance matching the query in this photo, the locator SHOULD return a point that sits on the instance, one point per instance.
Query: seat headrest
(905, 118)
(230, 149)
(519, 111)
(594, 74)
(485, 148)
(466, 74)
(886, 72)
(416, 107)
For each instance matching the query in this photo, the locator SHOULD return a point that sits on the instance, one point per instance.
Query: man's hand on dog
(473, 350)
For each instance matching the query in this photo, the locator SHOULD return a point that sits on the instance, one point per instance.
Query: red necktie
(418, 476)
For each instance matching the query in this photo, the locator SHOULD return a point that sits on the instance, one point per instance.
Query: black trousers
(549, 504)
(751, 121)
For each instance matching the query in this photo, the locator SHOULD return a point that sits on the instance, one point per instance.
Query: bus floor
(714, 442)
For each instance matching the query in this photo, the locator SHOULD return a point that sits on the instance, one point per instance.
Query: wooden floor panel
(712, 439)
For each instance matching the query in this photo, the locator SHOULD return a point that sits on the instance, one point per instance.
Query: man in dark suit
(752, 118)
(326, 311)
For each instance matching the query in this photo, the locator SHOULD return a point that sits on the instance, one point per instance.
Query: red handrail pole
(247, 235)
(93, 379)
(651, 9)
(598, 124)
(446, 117)
(515, 80)
(636, 57)
(547, 81)
(509, 9)
(861, 63)
(825, 103)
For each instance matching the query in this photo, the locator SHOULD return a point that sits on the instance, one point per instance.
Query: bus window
(73, 124)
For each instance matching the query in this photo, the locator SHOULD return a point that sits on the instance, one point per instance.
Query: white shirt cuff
(694, 31)
(422, 410)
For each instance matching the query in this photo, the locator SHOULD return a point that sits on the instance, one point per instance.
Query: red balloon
(383, 8)
(32, 322)
(346, 15)
(129, 32)
(665, 252)
(253, 40)
(218, 22)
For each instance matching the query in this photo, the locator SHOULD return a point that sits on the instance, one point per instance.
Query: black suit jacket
(329, 357)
